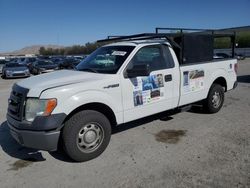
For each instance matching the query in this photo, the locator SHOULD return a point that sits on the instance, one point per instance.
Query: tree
(42, 50)
(72, 50)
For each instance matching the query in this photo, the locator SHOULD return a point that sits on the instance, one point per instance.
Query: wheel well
(221, 81)
(99, 107)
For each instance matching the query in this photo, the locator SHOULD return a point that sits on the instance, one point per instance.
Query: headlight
(27, 71)
(39, 107)
(8, 71)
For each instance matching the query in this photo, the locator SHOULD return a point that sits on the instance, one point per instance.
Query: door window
(157, 57)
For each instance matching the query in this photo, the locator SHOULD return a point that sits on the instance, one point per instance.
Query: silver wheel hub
(90, 137)
(216, 99)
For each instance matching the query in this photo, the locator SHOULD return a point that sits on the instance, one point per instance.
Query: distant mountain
(237, 29)
(31, 49)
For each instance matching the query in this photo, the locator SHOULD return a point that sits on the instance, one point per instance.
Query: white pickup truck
(119, 82)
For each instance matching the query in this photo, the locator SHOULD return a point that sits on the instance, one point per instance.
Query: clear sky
(67, 22)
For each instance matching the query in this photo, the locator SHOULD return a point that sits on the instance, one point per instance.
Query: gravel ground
(188, 149)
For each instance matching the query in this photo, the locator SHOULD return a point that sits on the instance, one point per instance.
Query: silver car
(15, 70)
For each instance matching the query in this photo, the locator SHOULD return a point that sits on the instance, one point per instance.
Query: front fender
(89, 97)
(67, 105)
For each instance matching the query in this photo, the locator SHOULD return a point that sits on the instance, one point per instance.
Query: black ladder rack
(189, 31)
(141, 36)
(181, 40)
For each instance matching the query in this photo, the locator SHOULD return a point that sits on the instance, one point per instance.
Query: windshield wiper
(88, 70)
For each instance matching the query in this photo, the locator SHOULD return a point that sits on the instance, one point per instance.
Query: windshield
(44, 63)
(105, 60)
(14, 65)
(2, 62)
(32, 59)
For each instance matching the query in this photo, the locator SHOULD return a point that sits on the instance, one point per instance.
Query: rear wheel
(215, 99)
(86, 135)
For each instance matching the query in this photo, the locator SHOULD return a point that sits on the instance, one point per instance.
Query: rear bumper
(235, 84)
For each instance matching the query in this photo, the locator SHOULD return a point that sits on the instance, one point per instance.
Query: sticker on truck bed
(148, 89)
(193, 80)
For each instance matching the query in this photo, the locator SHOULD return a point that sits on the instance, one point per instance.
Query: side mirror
(138, 70)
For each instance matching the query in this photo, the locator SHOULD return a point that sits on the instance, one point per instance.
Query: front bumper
(43, 133)
(47, 71)
(17, 75)
(47, 141)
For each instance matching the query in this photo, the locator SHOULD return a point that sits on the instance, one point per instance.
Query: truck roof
(137, 42)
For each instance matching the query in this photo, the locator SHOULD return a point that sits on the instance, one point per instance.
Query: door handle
(168, 77)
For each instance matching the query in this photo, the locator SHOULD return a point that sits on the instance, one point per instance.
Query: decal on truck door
(193, 80)
(147, 89)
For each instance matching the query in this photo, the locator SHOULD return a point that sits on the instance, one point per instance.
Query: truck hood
(37, 84)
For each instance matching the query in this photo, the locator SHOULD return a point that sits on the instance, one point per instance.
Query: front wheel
(215, 99)
(3, 75)
(86, 135)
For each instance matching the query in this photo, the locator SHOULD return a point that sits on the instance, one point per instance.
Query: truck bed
(196, 79)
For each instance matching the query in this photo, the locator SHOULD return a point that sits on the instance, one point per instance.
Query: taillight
(236, 68)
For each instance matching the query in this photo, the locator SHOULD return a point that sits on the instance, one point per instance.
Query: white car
(81, 106)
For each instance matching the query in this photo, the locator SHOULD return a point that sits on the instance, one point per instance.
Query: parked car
(80, 57)
(225, 55)
(217, 57)
(68, 63)
(42, 66)
(15, 70)
(221, 56)
(240, 56)
(56, 60)
(26, 61)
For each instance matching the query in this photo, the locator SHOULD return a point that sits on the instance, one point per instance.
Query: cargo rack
(190, 45)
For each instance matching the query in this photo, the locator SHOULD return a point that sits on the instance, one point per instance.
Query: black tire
(215, 99)
(34, 72)
(3, 75)
(91, 122)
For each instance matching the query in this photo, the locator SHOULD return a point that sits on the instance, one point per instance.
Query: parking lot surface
(188, 149)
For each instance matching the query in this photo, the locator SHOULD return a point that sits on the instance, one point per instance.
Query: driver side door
(146, 95)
